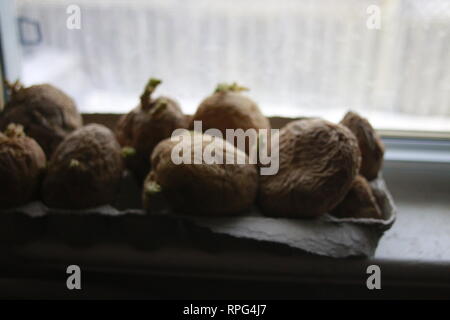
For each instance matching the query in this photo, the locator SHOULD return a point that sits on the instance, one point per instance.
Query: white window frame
(10, 46)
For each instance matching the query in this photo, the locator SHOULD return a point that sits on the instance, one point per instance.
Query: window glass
(389, 60)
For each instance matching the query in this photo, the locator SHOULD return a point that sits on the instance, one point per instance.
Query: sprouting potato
(85, 170)
(139, 131)
(318, 163)
(370, 144)
(360, 202)
(228, 108)
(22, 164)
(46, 113)
(206, 189)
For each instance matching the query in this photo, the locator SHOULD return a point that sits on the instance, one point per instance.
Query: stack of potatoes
(47, 154)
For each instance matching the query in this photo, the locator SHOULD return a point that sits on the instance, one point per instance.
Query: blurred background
(299, 58)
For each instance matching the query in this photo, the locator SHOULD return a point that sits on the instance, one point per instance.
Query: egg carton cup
(324, 236)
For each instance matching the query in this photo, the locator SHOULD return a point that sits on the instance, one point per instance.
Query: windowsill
(418, 150)
(422, 229)
(414, 258)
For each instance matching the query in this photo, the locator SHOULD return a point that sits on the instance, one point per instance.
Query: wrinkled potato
(139, 131)
(85, 170)
(46, 113)
(200, 189)
(318, 162)
(359, 202)
(22, 164)
(370, 144)
(228, 108)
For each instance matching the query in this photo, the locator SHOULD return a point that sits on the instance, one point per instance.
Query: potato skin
(46, 113)
(22, 165)
(360, 202)
(318, 163)
(230, 110)
(85, 170)
(143, 129)
(201, 189)
(370, 144)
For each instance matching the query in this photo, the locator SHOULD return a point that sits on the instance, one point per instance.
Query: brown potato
(318, 162)
(22, 164)
(46, 113)
(200, 189)
(139, 131)
(359, 202)
(370, 144)
(85, 170)
(228, 108)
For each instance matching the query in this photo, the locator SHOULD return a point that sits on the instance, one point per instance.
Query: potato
(206, 188)
(370, 144)
(318, 162)
(46, 113)
(145, 126)
(359, 202)
(228, 108)
(85, 170)
(22, 164)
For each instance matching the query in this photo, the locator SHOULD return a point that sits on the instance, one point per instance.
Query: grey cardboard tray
(325, 236)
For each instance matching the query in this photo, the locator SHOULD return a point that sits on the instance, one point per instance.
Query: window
(300, 58)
